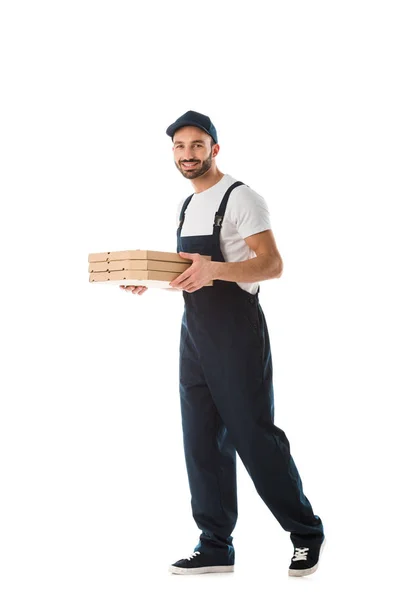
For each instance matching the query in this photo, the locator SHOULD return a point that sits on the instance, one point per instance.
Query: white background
(305, 97)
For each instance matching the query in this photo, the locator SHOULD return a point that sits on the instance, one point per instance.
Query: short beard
(206, 165)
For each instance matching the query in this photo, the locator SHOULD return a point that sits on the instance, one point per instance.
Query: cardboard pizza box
(159, 279)
(137, 255)
(138, 265)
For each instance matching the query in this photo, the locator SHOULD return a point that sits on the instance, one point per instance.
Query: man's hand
(200, 272)
(135, 289)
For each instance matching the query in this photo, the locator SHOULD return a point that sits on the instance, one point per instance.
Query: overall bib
(227, 404)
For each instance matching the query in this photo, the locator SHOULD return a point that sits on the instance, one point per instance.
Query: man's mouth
(189, 165)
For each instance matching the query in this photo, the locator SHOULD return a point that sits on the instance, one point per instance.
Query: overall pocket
(252, 317)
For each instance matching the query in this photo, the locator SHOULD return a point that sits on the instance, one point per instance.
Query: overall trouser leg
(244, 400)
(210, 457)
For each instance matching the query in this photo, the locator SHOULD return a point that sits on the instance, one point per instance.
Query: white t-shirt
(246, 214)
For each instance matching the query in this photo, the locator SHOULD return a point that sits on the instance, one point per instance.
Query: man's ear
(215, 150)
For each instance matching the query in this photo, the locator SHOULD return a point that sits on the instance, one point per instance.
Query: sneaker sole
(302, 572)
(201, 570)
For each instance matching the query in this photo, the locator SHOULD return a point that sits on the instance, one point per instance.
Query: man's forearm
(249, 271)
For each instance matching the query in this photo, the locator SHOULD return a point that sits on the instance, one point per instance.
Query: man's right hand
(135, 289)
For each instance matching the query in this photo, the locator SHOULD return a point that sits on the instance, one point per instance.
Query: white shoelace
(300, 554)
(192, 555)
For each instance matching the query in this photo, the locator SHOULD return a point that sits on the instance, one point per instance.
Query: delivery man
(225, 364)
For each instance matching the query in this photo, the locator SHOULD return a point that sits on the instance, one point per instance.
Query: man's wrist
(217, 266)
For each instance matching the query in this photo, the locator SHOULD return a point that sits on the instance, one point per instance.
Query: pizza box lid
(137, 254)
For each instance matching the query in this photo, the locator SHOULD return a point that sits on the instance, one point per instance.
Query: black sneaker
(198, 563)
(305, 560)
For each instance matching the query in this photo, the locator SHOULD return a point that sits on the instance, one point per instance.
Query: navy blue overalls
(227, 404)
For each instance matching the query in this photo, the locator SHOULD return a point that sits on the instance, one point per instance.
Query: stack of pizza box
(149, 268)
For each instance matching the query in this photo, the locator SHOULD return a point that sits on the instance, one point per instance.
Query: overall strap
(219, 216)
(184, 207)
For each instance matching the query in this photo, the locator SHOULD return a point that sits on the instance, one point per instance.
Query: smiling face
(194, 151)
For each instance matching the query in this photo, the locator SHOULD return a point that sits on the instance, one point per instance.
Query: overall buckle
(218, 220)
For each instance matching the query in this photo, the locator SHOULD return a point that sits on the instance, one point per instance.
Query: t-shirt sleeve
(249, 212)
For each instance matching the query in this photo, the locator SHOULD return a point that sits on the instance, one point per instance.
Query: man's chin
(190, 174)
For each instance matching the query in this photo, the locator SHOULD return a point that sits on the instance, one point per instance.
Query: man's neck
(201, 184)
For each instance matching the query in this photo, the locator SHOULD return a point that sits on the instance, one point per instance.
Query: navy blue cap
(195, 119)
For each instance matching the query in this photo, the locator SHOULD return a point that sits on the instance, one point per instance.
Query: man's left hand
(200, 272)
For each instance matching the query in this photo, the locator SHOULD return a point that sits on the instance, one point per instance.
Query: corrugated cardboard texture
(137, 254)
(138, 265)
(147, 278)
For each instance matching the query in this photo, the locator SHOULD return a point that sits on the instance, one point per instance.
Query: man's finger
(182, 278)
